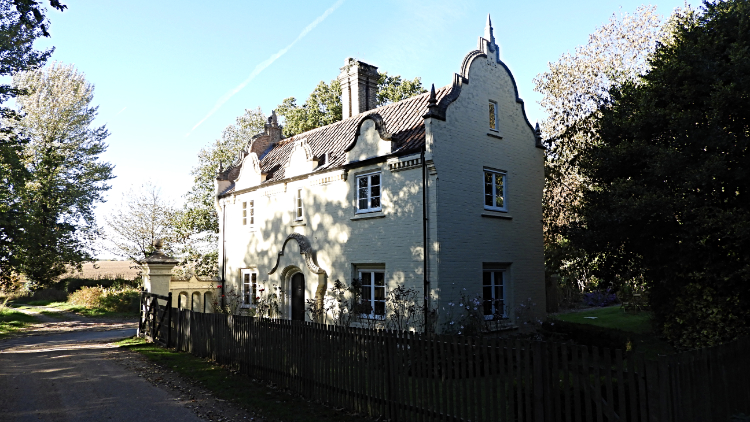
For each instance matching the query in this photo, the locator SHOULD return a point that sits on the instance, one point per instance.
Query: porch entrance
(298, 297)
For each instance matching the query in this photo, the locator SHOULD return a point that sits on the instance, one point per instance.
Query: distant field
(106, 269)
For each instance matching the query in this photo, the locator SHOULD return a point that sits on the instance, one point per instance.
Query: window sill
(371, 317)
(496, 214)
(368, 215)
(495, 135)
(298, 223)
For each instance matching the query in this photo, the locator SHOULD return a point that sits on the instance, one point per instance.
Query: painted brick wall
(461, 149)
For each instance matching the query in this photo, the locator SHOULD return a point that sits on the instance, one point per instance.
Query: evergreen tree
(669, 179)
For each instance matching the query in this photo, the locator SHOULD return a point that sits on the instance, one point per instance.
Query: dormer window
(493, 116)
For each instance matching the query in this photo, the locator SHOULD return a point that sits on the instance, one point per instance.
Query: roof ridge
(365, 113)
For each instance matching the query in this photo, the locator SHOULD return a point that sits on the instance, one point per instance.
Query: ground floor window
(493, 293)
(249, 287)
(373, 293)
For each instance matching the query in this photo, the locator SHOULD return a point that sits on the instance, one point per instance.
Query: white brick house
(459, 169)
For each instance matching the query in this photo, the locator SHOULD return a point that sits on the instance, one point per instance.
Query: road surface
(71, 377)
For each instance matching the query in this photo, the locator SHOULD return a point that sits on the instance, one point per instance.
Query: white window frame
(372, 287)
(493, 286)
(248, 213)
(369, 208)
(493, 103)
(299, 210)
(248, 287)
(504, 195)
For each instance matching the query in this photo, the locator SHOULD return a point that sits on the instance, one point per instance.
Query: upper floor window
(298, 212)
(493, 115)
(368, 192)
(248, 213)
(494, 190)
(249, 287)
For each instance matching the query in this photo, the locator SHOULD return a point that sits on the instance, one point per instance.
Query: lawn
(239, 389)
(612, 317)
(12, 320)
(637, 325)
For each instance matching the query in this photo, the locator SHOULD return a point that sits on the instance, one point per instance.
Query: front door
(298, 297)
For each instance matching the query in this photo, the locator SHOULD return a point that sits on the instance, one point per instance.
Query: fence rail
(416, 377)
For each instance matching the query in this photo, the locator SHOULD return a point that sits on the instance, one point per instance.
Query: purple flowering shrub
(600, 298)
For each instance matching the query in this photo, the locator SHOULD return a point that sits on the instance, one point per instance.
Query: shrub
(110, 299)
(50, 295)
(116, 281)
(600, 298)
(591, 335)
(698, 316)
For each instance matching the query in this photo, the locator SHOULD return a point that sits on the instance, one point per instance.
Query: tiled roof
(403, 120)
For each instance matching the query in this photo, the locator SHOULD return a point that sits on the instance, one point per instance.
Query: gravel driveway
(70, 371)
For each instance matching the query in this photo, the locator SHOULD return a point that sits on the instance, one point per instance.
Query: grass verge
(12, 320)
(271, 403)
(91, 312)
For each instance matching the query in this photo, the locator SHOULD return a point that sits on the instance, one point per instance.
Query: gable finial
(489, 32)
(432, 107)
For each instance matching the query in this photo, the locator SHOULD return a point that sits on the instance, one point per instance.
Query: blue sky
(161, 67)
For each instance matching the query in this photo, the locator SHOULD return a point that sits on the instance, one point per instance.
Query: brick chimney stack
(359, 87)
(273, 133)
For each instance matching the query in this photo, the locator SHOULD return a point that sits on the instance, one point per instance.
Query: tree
(199, 214)
(21, 22)
(196, 225)
(65, 177)
(323, 106)
(142, 217)
(668, 180)
(574, 89)
(392, 89)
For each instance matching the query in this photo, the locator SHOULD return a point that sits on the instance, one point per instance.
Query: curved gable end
(487, 54)
(249, 172)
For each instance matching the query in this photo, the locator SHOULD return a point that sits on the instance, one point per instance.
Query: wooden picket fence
(402, 376)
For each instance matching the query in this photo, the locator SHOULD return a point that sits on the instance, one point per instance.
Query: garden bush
(591, 335)
(124, 299)
(49, 295)
(600, 298)
(74, 284)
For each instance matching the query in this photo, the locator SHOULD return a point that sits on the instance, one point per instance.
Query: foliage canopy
(65, 176)
(668, 179)
(574, 88)
(21, 22)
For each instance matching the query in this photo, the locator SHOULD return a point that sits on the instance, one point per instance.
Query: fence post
(179, 322)
(140, 313)
(155, 312)
(169, 319)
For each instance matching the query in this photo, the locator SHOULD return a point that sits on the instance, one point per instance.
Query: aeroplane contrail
(263, 65)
